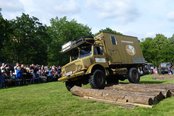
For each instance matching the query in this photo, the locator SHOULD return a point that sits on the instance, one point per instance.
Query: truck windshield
(83, 51)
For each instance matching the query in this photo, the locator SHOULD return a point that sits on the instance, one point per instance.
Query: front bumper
(65, 78)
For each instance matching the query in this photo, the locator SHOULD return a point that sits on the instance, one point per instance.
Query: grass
(53, 99)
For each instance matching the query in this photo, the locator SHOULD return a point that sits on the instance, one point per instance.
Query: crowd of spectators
(21, 74)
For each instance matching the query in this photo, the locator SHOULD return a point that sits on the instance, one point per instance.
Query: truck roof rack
(73, 44)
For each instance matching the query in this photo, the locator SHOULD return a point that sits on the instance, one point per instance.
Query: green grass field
(53, 99)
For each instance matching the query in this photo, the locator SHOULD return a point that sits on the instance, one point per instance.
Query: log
(144, 89)
(157, 86)
(117, 96)
(161, 86)
(127, 105)
(137, 97)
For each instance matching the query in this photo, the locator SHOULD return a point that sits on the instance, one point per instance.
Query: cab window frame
(113, 40)
(98, 50)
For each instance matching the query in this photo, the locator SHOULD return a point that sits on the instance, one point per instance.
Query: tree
(4, 35)
(26, 43)
(62, 31)
(171, 47)
(160, 43)
(108, 30)
(147, 49)
(158, 49)
(171, 39)
(0, 12)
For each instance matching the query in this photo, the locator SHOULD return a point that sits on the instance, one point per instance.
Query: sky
(141, 18)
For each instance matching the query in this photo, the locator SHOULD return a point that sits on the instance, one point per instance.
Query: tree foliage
(158, 49)
(4, 33)
(62, 31)
(25, 42)
(108, 30)
(0, 12)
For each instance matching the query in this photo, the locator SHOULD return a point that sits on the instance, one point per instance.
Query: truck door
(113, 49)
(99, 55)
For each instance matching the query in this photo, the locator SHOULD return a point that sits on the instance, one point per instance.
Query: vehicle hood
(76, 66)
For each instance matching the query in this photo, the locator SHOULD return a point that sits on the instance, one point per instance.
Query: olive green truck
(103, 59)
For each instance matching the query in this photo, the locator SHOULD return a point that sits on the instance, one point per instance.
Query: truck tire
(70, 84)
(97, 79)
(133, 75)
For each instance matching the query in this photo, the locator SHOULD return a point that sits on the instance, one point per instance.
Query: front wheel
(133, 75)
(97, 79)
(70, 84)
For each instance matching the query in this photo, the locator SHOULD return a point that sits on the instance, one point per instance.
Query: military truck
(103, 59)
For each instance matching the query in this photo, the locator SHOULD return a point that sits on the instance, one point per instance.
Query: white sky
(141, 18)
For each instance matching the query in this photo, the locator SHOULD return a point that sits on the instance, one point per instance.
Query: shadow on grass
(151, 82)
(145, 82)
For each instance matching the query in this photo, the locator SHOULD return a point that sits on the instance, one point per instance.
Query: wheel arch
(93, 67)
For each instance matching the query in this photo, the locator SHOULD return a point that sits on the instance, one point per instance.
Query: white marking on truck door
(130, 50)
(102, 60)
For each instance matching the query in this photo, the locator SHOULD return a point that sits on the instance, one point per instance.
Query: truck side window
(98, 51)
(113, 39)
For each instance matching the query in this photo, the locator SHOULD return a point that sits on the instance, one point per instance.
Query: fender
(104, 66)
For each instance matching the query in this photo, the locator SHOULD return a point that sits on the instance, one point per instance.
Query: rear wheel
(97, 79)
(133, 75)
(70, 84)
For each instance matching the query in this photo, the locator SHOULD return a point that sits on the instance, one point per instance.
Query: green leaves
(25, 42)
(158, 49)
(108, 30)
(62, 31)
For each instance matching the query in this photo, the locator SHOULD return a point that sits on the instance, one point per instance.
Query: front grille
(71, 67)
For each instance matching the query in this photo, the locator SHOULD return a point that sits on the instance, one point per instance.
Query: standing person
(2, 80)
(24, 74)
(15, 68)
(50, 75)
(32, 66)
(18, 75)
(59, 71)
(170, 70)
(36, 73)
(54, 73)
(2, 68)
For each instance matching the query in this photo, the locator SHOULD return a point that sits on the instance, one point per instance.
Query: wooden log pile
(136, 94)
